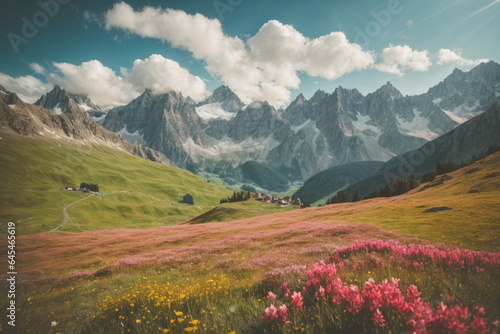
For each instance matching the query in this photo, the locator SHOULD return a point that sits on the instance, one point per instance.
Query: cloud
(265, 67)
(109, 90)
(447, 56)
(397, 59)
(37, 68)
(162, 75)
(95, 80)
(28, 88)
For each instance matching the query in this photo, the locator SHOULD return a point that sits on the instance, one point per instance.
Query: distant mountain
(309, 136)
(463, 95)
(336, 178)
(225, 98)
(69, 123)
(58, 99)
(470, 138)
(167, 123)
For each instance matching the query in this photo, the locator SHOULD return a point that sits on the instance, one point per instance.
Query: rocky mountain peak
(389, 91)
(56, 98)
(318, 96)
(300, 99)
(226, 97)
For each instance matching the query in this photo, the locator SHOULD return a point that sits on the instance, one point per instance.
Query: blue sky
(264, 49)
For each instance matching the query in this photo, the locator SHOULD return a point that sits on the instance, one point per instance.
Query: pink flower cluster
(272, 313)
(379, 300)
(418, 256)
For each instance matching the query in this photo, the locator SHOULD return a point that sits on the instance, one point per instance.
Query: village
(282, 202)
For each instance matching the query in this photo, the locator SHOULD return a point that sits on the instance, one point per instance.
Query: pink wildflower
(378, 318)
(412, 292)
(297, 300)
(282, 310)
(271, 296)
(271, 313)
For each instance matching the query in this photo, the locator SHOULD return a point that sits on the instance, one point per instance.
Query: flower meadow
(317, 299)
(381, 286)
(367, 286)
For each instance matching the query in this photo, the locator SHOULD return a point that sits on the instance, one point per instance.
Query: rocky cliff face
(227, 99)
(58, 99)
(69, 123)
(162, 122)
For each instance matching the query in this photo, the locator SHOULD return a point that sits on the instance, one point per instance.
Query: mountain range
(66, 121)
(219, 135)
(469, 139)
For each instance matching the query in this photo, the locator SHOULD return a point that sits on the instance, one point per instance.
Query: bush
(188, 199)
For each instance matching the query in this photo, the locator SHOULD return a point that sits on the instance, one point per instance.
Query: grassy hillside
(471, 221)
(216, 276)
(137, 193)
(336, 178)
(239, 210)
(263, 176)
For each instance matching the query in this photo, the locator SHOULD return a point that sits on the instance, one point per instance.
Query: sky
(263, 50)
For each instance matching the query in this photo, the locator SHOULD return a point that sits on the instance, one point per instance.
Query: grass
(239, 210)
(215, 276)
(34, 170)
(196, 293)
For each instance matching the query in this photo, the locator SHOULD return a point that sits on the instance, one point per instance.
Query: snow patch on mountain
(212, 111)
(85, 106)
(454, 117)
(361, 125)
(133, 138)
(58, 109)
(418, 127)
(468, 111)
(299, 127)
(227, 148)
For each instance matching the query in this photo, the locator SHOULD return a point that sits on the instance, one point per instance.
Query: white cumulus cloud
(265, 67)
(397, 59)
(104, 86)
(162, 75)
(95, 80)
(28, 88)
(447, 56)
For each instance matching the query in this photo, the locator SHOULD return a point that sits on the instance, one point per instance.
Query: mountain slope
(58, 99)
(336, 178)
(470, 138)
(162, 122)
(69, 122)
(137, 193)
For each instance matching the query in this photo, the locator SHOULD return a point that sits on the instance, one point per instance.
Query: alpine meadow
(250, 167)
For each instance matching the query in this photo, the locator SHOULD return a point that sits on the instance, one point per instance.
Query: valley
(166, 232)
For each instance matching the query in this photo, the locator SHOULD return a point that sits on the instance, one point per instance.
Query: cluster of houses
(259, 196)
(85, 190)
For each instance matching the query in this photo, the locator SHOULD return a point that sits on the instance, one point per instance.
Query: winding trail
(65, 210)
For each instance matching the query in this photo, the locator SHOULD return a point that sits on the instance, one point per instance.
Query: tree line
(238, 196)
(402, 185)
(395, 187)
(90, 186)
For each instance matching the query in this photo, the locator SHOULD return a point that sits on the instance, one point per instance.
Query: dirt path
(65, 210)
